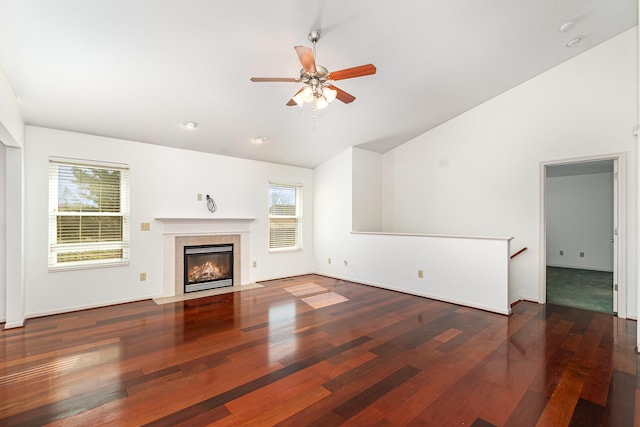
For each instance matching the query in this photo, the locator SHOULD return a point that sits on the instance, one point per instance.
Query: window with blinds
(285, 216)
(88, 214)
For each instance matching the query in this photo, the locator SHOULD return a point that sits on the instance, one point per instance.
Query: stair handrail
(518, 253)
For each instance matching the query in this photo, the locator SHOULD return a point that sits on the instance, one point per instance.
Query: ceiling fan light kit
(318, 81)
(322, 94)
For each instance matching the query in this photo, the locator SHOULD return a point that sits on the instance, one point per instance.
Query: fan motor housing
(321, 75)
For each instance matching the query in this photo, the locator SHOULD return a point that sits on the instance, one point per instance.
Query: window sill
(283, 250)
(57, 268)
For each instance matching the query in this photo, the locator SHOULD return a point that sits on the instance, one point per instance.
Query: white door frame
(620, 239)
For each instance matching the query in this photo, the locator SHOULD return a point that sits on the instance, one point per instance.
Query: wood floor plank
(278, 413)
(562, 403)
(369, 396)
(281, 391)
(586, 414)
(528, 410)
(620, 407)
(264, 357)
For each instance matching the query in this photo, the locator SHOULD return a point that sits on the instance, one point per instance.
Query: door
(614, 235)
(581, 223)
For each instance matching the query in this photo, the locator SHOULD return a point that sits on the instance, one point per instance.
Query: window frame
(54, 248)
(297, 216)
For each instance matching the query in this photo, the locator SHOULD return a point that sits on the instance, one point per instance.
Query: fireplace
(208, 267)
(178, 232)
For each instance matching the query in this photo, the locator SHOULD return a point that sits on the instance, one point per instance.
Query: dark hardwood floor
(266, 357)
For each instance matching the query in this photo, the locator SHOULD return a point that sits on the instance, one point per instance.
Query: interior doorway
(581, 230)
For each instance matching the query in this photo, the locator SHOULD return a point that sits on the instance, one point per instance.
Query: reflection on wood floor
(266, 357)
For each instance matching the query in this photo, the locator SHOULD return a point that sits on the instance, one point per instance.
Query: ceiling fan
(318, 81)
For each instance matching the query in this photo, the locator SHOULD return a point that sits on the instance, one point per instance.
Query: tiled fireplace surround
(180, 232)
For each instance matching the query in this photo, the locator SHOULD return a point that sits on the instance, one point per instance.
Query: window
(285, 216)
(88, 214)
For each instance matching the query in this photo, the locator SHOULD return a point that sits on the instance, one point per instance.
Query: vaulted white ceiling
(138, 69)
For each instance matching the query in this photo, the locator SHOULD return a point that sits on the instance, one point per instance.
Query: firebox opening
(208, 267)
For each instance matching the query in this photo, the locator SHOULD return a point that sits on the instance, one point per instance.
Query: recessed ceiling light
(574, 41)
(259, 139)
(190, 125)
(567, 26)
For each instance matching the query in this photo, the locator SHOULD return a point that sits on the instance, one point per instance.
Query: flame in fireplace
(209, 270)
(206, 271)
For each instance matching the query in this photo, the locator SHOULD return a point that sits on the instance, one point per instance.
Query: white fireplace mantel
(206, 225)
(180, 227)
(201, 219)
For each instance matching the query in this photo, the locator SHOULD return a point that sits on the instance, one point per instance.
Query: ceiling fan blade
(305, 54)
(274, 79)
(349, 73)
(291, 102)
(342, 95)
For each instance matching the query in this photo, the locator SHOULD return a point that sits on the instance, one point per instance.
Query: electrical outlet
(581, 254)
(143, 277)
(145, 226)
(255, 264)
(329, 260)
(420, 274)
(199, 197)
(561, 253)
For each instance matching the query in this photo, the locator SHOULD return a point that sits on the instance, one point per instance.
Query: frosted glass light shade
(321, 102)
(307, 94)
(330, 94)
(299, 98)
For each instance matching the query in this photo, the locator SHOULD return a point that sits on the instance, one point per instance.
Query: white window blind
(285, 216)
(88, 214)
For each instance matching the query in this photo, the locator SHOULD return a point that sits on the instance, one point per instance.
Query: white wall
(580, 219)
(3, 236)
(164, 183)
(333, 215)
(465, 271)
(15, 234)
(11, 135)
(367, 190)
(479, 173)
(11, 122)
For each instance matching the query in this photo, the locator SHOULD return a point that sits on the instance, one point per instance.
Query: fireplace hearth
(208, 267)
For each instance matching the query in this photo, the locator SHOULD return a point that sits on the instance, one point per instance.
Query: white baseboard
(531, 300)
(575, 267)
(85, 307)
(12, 325)
(506, 312)
(266, 279)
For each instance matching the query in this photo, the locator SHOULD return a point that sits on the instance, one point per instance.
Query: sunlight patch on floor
(322, 297)
(324, 300)
(305, 289)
